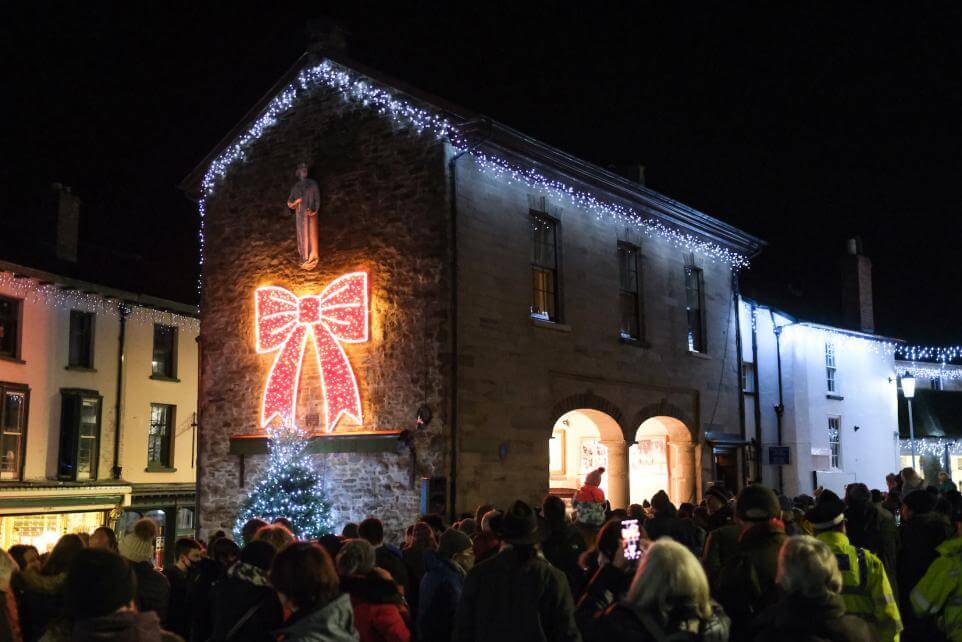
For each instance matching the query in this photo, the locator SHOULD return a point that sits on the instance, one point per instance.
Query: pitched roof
(489, 141)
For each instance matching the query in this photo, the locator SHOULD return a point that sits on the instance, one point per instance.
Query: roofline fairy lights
(355, 89)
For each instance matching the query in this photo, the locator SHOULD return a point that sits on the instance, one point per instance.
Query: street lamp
(908, 389)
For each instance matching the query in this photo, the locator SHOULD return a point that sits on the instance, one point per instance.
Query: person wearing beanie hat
(589, 502)
(866, 589)
(380, 612)
(746, 582)
(137, 547)
(921, 531)
(99, 600)
(441, 585)
(243, 605)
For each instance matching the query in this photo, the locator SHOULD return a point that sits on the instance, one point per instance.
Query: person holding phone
(609, 566)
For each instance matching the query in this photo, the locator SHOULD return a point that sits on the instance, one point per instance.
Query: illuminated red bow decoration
(284, 323)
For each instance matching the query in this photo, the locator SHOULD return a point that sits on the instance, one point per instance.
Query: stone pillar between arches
(617, 472)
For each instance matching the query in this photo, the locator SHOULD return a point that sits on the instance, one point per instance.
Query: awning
(936, 413)
(51, 497)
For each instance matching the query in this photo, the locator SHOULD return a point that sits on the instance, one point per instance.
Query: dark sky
(803, 124)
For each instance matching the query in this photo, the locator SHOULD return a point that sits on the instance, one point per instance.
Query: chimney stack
(67, 206)
(856, 268)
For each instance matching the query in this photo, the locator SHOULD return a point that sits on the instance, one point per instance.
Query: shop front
(170, 506)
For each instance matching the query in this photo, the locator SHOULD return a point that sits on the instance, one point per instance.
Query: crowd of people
(870, 565)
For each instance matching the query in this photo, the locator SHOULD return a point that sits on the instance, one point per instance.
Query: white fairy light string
(35, 291)
(354, 88)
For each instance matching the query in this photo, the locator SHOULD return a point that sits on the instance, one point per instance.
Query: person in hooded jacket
(921, 532)
(811, 608)
(746, 582)
(244, 606)
(99, 599)
(380, 611)
(441, 586)
(222, 554)
(308, 586)
(668, 599)
(41, 603)
(871, 527)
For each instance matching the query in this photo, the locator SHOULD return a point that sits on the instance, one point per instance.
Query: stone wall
(518, 376)
(384, 210)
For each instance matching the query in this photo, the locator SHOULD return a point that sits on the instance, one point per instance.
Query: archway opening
(662, 458)
(577, 446)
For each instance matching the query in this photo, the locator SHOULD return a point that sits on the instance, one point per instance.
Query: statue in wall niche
(305, 200)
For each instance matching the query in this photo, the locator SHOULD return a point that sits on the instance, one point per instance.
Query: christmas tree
(289, 488)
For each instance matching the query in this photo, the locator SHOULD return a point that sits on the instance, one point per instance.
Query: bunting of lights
(284, 323)
(354, 89)
(34, 291)
(931, 372)
(931, 446)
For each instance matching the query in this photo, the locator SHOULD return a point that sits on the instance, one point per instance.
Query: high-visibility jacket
(939, 592)
(865, 586)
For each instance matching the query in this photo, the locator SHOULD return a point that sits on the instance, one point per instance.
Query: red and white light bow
(284, 322)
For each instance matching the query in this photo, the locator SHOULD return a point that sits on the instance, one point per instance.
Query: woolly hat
(757, 503)
(719, 493)
(98, 583)
(828, 513)
(452, 542)
(594, 477)
(138, 545)
(919, 502)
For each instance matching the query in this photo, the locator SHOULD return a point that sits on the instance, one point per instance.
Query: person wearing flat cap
(866, 589)
(745, 585)
(516, 595)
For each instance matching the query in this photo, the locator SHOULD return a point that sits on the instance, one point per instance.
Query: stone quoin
(514, 346)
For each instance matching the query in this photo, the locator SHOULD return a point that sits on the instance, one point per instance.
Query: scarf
(248, 573)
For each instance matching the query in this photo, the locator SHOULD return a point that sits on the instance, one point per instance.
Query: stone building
(549, 314)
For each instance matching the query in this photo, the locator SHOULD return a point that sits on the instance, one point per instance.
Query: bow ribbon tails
(285, 322)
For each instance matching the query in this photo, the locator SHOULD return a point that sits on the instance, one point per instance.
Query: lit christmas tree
(289, 488)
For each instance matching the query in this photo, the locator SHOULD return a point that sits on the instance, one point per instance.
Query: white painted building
(827, 394)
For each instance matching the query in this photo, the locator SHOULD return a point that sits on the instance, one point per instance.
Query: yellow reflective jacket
(939, 592)
(865, 586)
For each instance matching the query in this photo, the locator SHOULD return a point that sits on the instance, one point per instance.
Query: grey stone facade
(385, 193)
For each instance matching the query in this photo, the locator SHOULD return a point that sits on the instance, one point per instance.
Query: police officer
(939, 593)
(866, 589)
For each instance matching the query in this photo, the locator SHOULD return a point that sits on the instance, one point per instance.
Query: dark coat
(511, 599)
(153, 589)
(797, 619)
(209, 573)
(232, 598)
(178, 610)
(414, 564)
(918, 539)
(624, 624)
(720, 546)
(41, 602)
(333, 622)
(607, 585)
(126, 626)
(666, 523)
(563, 546)
(440, 593)
(393, 564)
(746, 583)
(870, 526)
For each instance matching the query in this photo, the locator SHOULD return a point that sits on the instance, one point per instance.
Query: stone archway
(669, 422)
(662, 458)
(581, 440)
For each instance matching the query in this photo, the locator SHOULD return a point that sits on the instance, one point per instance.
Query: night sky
(802, 124)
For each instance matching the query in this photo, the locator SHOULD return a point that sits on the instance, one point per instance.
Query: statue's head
(301, 172)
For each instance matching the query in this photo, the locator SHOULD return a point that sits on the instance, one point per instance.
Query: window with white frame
(835, 439)
(748, 376)
(831, 382)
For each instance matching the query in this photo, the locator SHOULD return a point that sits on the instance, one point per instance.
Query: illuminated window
(694, 307)
(79, 434)
(160, 436)
(544, 268)
(81, 350)
(10, 310)
(164, 361)
(830, 381)
(835, 439)
(628, 294)
(13, 429)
